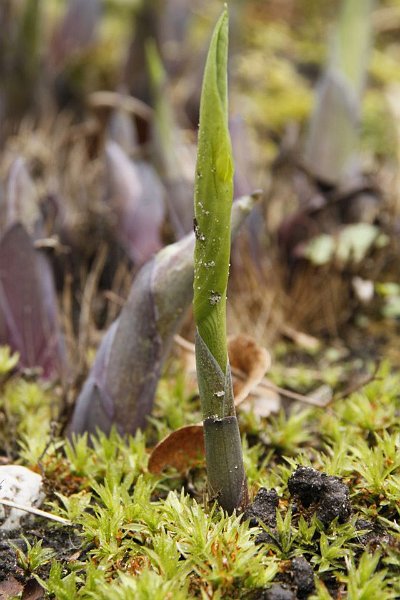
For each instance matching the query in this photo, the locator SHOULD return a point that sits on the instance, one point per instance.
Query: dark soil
(325, 495)
(373, 535)
(65, 542)
(302, 576)
(298, 584)
(328, 494)
(263, 508)
(278, 592)
(297, 581)
(8, 561)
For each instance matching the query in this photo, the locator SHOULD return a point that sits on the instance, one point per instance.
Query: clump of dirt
(297, 580)
(302, 576)
(298, 577)
(277, 592)
(329, 494)
(263, 508)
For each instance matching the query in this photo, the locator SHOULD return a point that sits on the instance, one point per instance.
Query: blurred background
(99, 104)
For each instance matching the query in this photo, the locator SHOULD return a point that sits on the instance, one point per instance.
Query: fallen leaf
(249, 363)
(9, 588)
(181, 449)
(74, 556)
(184, 447)
(33, 591)
(262, 403)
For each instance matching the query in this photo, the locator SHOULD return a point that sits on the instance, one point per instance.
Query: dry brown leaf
(181, 449)
(10, 587)
(184, 447)
(249, 363)
(262, 403)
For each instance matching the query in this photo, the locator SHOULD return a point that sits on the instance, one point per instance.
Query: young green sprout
(212, 207)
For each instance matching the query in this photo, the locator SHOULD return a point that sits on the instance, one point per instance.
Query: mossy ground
(137, 535)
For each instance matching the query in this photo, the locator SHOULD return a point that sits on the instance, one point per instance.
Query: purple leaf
(28, 304)
(121, 386)
(136, 195)
(95, 408)
(121, 130)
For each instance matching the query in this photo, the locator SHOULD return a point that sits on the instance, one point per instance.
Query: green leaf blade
(213, 198)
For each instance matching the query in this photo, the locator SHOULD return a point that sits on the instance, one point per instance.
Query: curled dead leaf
(249, 363)
(184, 447)
(262, 403)
(181, 449)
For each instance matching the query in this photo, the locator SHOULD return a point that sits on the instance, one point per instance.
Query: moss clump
(137, 534)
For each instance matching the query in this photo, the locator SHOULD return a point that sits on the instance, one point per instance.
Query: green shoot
(213, 202)
(213, 199)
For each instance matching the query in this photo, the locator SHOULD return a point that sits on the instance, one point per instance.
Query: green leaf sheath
(213, 199)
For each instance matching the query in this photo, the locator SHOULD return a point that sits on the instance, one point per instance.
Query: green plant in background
(331, 148)
(213, 200)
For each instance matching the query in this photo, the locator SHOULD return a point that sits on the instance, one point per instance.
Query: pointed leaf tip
(213, 197)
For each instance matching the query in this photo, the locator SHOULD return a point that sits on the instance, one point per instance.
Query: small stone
(22, 486)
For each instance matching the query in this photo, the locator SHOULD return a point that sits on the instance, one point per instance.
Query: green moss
(378, 132)
(145, 537)
(27, 410)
